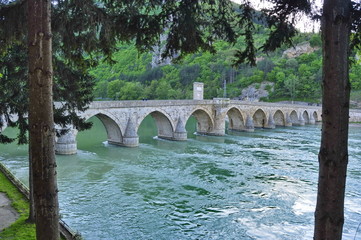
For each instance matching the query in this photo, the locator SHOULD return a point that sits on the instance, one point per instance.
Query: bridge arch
(164, 124)
(236, 119)
(259, 118)
(279, 118)
(121, 119)
(204, 121)
(66, 144)
(294, 117)
(114, 132)
(315, 116)
(306, 117)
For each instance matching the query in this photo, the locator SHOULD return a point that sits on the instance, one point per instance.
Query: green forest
(135, 76)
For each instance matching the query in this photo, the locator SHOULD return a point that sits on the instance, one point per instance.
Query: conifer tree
(83, 30)
(41, 120)
(80, 31)
(340, 28)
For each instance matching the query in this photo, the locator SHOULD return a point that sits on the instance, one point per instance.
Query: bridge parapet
(123, 118)
(147, 103)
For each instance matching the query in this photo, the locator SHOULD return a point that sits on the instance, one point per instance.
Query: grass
(20, 230)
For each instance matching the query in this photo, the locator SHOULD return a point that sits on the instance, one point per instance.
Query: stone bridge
(122, 119)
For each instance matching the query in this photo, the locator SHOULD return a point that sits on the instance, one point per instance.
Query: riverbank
(16, 193)
(14, 213)
(8, 215)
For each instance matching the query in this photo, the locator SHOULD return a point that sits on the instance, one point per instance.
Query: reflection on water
(259, 185)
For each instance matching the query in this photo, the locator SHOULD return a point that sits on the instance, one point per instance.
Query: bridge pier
(180, 133)
(215, 132)
(312, 120)
(130, 138)
(288, 121)
(271, 123)
(219, 131)
(121, 119)
(237, 129)
(130, 141)
(301, 120)
(66, 144)
(218, 128)
(249, 126)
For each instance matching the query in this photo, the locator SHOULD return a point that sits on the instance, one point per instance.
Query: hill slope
(294, 74)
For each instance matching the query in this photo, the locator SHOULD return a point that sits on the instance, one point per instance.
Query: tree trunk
(31, 218)
(41, 122)
(333, 155)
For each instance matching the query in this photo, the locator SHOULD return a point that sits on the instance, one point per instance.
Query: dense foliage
(140, 76)
(71, 87)
(88, 27)
(84, 30)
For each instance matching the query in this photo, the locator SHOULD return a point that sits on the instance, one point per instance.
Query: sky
(304, 24)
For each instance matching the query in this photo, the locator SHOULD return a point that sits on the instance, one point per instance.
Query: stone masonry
(122, 119)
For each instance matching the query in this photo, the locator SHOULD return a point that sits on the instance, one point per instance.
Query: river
(259, 185)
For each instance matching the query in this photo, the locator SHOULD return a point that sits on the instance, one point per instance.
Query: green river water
(259, 185)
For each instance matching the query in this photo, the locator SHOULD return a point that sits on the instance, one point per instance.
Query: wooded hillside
(291, 73)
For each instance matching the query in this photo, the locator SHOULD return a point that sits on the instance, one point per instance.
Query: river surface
(259, 185)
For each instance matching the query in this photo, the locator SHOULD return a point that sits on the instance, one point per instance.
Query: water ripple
(259, 185)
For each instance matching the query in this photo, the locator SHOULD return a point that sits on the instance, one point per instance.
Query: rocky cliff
(298, 50)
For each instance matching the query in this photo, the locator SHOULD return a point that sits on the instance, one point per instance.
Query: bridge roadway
(122, 119)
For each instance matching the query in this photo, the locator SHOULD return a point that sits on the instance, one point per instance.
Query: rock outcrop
(298, 50)
(256, 91)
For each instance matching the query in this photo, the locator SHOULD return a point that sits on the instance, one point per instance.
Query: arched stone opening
(191, 126)
(294, 118)
(67, 143)
(204, 121)
(94, 136)
(279, 118)
(164, 125)
(306, 117)
(259, 119)
(236, 121)
(113, 130)
(315, 116)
